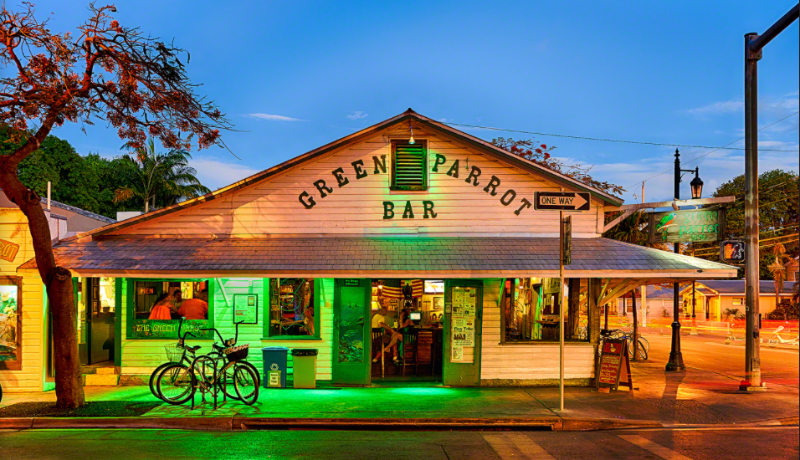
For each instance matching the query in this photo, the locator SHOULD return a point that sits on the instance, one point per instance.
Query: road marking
(764, 347)
(516, 446)
(658, 449)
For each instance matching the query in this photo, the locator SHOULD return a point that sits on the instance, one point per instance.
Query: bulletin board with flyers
(462, 323)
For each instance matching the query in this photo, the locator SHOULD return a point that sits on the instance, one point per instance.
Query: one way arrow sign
(566, 201)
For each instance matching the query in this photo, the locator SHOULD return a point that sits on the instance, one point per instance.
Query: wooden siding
(528, 362)
(273, 208)
(14, 228)
(140, 357)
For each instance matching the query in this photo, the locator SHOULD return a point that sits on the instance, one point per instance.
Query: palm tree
(778, 270)
(631, 229)
(157, 178)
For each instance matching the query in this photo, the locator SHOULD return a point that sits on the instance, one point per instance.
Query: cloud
(718, 108)
(215, 174)
(270, 117)
(357, 115)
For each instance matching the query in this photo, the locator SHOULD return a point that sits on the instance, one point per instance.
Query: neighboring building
(714, 297)
(24, 350)
(792, 268)
(659, 302)
(307, 252)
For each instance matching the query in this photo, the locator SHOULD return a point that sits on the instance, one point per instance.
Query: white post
(561, 311)
(48, 195)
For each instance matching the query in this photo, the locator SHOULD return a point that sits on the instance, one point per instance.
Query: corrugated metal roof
(371, 255)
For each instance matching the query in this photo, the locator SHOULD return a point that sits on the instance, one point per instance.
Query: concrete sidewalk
(695, 397)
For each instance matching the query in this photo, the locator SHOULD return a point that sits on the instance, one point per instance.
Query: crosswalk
(520, 446)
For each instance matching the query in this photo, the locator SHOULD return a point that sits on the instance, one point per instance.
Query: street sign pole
(561, 240)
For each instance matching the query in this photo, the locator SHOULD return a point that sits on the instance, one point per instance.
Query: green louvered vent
(409, 172)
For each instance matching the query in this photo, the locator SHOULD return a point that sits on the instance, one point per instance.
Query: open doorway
(407, 317)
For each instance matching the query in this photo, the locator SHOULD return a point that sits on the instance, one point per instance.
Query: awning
(373, 257)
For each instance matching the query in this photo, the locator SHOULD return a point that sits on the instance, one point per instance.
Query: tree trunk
(58, 283)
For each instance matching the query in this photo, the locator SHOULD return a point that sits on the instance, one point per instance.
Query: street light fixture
(697, 185)
(675, 356)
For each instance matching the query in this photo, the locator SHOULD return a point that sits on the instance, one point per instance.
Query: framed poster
(245, 308)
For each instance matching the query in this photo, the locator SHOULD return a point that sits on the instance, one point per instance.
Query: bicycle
(732, 337)
(776, 339)
(179, 354)
(181, 382)
(619, 334)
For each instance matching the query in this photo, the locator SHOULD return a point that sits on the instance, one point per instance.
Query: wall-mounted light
(411, 140)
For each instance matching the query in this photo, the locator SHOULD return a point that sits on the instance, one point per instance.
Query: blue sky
(296, 75)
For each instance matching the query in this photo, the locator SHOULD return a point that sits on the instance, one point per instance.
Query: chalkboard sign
(615, 368)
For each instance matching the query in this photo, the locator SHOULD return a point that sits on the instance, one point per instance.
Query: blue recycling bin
(275, 364)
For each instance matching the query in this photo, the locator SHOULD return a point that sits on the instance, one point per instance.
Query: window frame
(318, 304)
(130, 307)
(425, 180)
(15, 365)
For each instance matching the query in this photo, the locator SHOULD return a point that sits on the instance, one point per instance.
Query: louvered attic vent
(409, 171)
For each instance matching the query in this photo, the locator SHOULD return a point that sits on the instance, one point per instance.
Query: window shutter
(409, 171)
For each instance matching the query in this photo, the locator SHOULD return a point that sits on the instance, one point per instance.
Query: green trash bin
(305, 367)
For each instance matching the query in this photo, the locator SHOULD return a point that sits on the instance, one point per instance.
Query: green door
(351, 331)
(463, 312)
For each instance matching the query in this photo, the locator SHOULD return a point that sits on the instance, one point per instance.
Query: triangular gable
(480, 145)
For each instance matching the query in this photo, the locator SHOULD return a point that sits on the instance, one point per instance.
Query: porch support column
(593, 311)
(573, 314)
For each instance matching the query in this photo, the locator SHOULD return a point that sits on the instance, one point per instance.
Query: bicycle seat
(194, 348)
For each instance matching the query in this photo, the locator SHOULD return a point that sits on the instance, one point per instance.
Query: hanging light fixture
(697, 185)
(411, 140)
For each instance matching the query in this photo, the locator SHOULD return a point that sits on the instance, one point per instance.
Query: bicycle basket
(236, 353)
(174, 352)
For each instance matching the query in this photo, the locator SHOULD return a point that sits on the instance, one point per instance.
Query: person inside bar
(308, 320)
(196, 308)
(164, 307)
(394, 335)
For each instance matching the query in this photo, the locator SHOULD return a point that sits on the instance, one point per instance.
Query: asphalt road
(727, 444)
(706, 351)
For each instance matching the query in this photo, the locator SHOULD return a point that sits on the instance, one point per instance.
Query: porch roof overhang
(375, 257)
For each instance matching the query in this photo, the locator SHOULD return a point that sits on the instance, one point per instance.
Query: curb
(360, 424)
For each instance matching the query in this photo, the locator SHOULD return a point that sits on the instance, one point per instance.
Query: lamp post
(675, 356)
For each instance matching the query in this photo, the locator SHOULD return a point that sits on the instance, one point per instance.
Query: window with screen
(294, 305)
(156, 306)
(409, 165)
(531, 310)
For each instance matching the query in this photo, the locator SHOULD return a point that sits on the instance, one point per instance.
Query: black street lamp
(675, 356)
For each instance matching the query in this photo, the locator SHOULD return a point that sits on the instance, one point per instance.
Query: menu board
(462, 323)
(615, 369)
(245, 308)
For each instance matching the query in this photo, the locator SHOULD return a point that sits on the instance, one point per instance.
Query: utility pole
(644, 287)
(753, 44)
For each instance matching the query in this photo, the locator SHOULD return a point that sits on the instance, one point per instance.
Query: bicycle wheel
(773, 342)
(642, 350)
(175, 384)
(645, 342)
(154, 378)
(246, 384)
(204, 369)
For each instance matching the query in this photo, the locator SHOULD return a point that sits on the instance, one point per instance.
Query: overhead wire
(623, 141)
(724, 147)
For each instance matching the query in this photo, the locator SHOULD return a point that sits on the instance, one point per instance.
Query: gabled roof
(83, 212)
(480, 144)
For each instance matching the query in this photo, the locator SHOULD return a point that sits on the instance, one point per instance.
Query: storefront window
(531, 312)
(294, 306)
(10, 324)
(155, 306)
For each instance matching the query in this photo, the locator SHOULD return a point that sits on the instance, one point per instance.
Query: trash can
(275, 364)
(305, 367)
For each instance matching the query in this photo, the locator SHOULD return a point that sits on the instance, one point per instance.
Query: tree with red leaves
(541, 154)
(135, 83)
